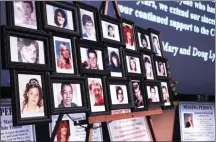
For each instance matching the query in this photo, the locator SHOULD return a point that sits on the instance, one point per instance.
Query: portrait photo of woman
(114, 61)
(26, 50)
(63, 55)
(63, 132)
(59, 17)
(153, 94)
(156, 44)
(118, 94)
(188, 117)
(165, 92)
(133, 64)
(144, 41)
(161, 68)
(128, 36)
(88, 25)
(31, 95)
(25, 14)
(110, 31)
(148, 67)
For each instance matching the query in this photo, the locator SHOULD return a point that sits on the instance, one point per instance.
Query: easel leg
(89, 132)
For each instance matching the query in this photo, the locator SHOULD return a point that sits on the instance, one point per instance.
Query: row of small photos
(55, 48)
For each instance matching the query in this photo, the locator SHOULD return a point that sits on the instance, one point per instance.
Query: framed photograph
(120, 95)
(88, 21)
(111, 30)
(143, 39)
(29, 97)
(133, 65)
(167, 94)
(67, 95)
(116, 65)
(60, 17)
(25, 50)
(149, 66)
(153, 92)
(97, 96)
(23, 14)
(91, 58)
(64, 55)
(156, 42)
(139, 96)
(129, 34)
(161, 68)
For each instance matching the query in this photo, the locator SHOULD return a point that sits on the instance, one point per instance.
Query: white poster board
(197, 121)
(132, 129)
(77, 133)
(10, 133)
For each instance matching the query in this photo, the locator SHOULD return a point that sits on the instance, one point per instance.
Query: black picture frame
(168, 87)
(153, 32)
(105, 96)
(164, 61)
(141, 86)
(151, 56)
(136, 55)
(95, 12)
(8, 32)
(16, 109)
(114, 48)
(64, 39)
(72, 80)
(127, 83)
(131, 23)
(10, 17)
(113, 21)
(66, 6)
(150, 103)
(84, 64)
(143, 32)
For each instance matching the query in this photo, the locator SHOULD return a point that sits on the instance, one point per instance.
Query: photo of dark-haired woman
(114, 61)
(31, 95)
(144, 41)
(59, 17)
(161, 69)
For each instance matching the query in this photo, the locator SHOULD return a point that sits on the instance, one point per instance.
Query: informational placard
(10, 133)
(68, 132)
(197, 121)
(132, 129)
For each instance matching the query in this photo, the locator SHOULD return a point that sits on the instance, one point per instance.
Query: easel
(105, 118)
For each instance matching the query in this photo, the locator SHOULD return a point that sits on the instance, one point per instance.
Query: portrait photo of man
(156, 45)
(88, 26)
(96, 92)
(138, 97)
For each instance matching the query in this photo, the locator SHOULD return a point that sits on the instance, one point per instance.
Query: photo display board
(74, 133)
(10, 133)
(197, 121)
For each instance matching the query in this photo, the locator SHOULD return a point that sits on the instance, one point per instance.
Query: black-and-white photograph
(110, 31)
(153, 93)
(119, 94)
(59, 17)
(63, 55)
(144, 41)
(133, 64)
(165, 93)
(25, 50)
(25, 14)
(137, 94)
(91, 58)
(156, 44)
(67, 95)
(148, 67)
(31, 95)
(161, 68)
(88, 25)
(114, 62)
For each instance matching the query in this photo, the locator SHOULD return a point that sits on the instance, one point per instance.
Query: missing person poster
(67, 131)
(132, 129)
(197, 121)
(10, 133)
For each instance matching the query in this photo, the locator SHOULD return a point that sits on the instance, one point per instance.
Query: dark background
(194, 75)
